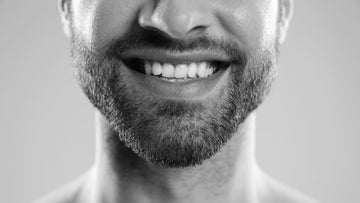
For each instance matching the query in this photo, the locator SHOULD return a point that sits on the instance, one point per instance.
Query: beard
(168, 132)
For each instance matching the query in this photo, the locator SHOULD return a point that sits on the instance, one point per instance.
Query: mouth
(179, 76)
(176, 72)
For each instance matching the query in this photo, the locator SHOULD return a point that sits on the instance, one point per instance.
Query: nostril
(176, 19)
(199, 27)
(152, 18)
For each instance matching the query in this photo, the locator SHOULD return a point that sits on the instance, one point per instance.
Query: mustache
(149, 38)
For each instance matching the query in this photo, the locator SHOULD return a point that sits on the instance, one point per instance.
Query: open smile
(175, 72)
(188, 76)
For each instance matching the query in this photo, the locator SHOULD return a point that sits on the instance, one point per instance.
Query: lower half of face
(175, 104)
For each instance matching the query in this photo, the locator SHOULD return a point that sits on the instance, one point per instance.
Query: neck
(119, 175)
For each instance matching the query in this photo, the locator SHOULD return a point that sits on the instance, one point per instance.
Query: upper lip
(175, 57)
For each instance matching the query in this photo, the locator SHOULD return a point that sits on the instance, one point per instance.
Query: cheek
(252, 22)
(100, 21)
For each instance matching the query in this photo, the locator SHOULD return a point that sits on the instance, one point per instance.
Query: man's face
(175, 78)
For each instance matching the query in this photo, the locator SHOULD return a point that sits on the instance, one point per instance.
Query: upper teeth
(167, 70)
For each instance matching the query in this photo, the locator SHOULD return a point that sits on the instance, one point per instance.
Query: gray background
(308, 128)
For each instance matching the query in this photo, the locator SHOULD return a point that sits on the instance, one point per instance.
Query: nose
(176, 18)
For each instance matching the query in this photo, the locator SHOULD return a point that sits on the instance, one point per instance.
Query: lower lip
(194, 89)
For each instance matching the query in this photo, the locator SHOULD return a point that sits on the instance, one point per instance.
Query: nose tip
(183, 24)
(175, 19)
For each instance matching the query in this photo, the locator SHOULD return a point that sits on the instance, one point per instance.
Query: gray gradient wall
(308, 128)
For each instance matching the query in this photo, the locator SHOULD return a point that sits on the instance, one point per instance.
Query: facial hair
(165, 132)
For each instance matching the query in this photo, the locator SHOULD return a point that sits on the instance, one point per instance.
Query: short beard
(172, 133)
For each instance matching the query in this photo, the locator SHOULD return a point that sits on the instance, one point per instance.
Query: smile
(176, 72)
(189, 76)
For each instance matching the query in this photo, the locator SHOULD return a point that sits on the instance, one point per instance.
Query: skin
(232, 174)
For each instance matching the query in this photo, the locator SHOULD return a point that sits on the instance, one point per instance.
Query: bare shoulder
(66, 194)
(280, 193)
